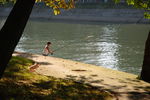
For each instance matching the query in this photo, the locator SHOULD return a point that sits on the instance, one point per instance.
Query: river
(116, 46)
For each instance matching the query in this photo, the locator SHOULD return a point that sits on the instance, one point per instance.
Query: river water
(115, 46)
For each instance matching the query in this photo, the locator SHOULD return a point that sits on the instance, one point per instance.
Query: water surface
(115, 46)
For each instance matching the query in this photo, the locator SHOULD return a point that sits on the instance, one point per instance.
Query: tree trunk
(12, 30)
(145, 73)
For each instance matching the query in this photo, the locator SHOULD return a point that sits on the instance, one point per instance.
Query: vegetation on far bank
(109, 5)
(18, 83)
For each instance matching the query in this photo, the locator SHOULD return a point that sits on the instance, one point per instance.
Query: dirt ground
(124, 85)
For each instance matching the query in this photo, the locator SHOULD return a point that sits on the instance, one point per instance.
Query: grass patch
(19, 83)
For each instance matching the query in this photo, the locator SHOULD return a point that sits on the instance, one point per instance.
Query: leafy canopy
(56, 5)
(141, 4)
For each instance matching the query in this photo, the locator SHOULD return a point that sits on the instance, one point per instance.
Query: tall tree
(13, 28)
(145, 73)
(145, 5)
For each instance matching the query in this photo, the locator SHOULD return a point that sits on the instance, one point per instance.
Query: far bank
(86, 15)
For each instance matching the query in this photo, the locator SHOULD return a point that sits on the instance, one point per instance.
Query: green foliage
(109, 5)
(19, 83)
(147, 15)
(116, 1)
(56, 5)
(140, 4)
(7, 1)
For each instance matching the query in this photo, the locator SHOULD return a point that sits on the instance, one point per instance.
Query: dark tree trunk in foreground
(12, 30)
(145, 73)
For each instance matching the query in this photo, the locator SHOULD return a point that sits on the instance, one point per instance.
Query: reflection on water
(109, 47)
(2, 23)
(113, 46)
(20, 46)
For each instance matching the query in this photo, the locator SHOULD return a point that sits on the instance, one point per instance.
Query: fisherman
(47, 49)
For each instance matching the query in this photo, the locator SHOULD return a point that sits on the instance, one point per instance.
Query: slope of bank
(126, 86)
(31, 86)
(86, 15)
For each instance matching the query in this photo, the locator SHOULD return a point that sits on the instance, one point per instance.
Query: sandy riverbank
(126, 86)
(86, 15)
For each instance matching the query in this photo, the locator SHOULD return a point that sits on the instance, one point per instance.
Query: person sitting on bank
(47, 49)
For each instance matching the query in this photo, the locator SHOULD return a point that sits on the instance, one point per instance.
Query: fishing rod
(60, 48)
(56, 50)
(69, 44)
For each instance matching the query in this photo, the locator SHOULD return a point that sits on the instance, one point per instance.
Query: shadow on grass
(70, 90)
(83, 79)
(53, 89)
(28, 55)
(25, 55)
(20, 84)
(112, 88)
(57, 89)
(44, 63)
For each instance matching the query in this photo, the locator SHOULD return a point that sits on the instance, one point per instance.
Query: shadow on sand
(131, 95)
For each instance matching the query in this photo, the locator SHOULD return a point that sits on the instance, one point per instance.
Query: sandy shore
(86, 15)
(125, 86)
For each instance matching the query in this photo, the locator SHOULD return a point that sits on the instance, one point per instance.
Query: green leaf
(130, 2)
(116, 1)
(147, 15)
